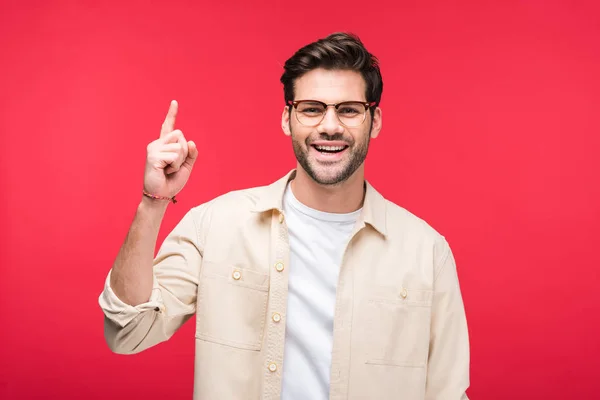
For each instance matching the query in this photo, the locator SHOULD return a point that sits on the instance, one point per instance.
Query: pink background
(491, 134)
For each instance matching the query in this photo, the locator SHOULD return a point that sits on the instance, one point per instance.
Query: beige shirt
(400, 330)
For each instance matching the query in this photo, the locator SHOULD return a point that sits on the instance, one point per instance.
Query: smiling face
(331, 152)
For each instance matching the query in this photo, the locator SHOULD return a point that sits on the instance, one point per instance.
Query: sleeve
(449, 354)
(176, 268)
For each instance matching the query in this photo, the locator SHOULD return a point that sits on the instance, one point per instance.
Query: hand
(169, 159)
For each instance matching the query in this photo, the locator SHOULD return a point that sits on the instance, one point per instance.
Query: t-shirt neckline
(320, 215)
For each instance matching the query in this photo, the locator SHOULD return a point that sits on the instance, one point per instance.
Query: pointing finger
(171, 137)
(169, 124)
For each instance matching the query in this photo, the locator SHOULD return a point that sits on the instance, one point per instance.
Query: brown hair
(337, 51)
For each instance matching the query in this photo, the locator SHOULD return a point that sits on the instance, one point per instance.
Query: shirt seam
(442, 264)
(197, 232)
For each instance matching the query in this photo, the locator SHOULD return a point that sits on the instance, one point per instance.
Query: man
(313, 287)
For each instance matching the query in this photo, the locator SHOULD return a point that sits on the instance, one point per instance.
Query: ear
(285, 121)
(376, 123)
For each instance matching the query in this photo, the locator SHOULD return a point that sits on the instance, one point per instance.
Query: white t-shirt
(317, 243)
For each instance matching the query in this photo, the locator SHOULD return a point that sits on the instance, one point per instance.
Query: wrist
(151, 204)
(158, 197)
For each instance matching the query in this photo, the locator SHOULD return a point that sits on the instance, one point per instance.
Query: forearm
(131, 276)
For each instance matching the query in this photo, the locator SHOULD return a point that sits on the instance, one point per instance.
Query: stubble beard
(357, 155)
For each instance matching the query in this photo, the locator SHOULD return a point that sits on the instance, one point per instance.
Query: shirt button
(281, 218)
(279, 266)
(403, 293)
(272, 367)
(237, 275)
(276, 317)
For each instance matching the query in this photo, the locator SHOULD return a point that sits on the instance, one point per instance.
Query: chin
(327, 175)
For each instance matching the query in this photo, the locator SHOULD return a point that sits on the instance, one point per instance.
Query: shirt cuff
(122, 313)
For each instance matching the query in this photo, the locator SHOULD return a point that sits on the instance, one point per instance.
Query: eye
(348, 111)
(310, 109)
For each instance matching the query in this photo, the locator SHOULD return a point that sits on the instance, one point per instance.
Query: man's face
(345, 147)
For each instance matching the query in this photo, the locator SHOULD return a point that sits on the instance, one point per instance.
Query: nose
(330, 124)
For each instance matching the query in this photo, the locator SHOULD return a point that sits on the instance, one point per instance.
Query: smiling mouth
(329, 149)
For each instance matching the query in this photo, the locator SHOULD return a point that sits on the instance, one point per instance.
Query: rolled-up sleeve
(121, 313)
(449, 354)
(176, 268)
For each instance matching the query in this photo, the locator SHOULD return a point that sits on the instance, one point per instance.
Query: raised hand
(169, 159)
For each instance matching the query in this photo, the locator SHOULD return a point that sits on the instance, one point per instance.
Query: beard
(339, 172)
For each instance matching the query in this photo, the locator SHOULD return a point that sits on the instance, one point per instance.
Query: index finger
(169, 125)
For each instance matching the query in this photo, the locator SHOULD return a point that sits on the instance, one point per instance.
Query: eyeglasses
(312, 112)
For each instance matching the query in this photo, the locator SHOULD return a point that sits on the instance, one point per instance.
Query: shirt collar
(373, 212)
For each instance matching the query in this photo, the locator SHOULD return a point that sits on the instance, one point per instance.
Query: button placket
(275, 329)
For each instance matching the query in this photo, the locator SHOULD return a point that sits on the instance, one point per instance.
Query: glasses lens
(310, 113)
(351, 113)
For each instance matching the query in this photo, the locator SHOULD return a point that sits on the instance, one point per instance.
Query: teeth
(330, 148)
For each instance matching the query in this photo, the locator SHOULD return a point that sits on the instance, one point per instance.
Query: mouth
(329, 153)
(329, 149)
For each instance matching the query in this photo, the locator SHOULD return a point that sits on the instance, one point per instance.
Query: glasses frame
(294, 104)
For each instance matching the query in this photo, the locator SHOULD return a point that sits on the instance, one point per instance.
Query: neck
(342, 198)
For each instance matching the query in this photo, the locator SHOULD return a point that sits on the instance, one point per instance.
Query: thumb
(192, 153)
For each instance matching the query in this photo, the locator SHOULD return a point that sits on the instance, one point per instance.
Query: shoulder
(400, 220)
(240, 200)
(224, 213)
(415, 232)
(231, 204)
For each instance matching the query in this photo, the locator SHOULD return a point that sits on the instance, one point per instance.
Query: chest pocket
(398, 327)
(232, 306)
